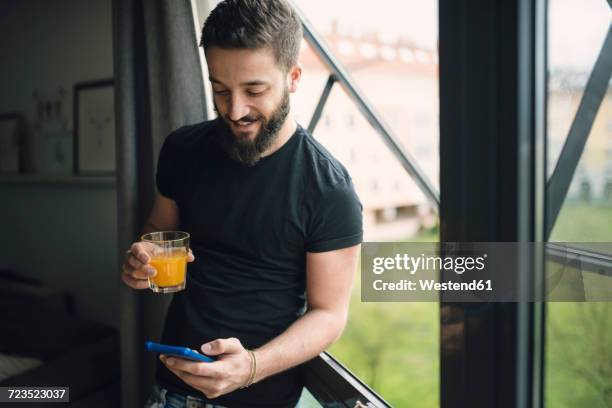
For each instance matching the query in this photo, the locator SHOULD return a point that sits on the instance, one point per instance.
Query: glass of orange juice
(168, 251)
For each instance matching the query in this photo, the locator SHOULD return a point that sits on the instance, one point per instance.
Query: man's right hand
(136, 269)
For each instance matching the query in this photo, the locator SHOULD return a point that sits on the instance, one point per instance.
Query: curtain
(158, 88)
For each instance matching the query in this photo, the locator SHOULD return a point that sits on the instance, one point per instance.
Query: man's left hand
(230, 371)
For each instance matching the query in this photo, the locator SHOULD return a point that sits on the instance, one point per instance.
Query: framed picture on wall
(94, 128)
(10, 143)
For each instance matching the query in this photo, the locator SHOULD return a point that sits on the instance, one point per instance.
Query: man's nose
(238, 108)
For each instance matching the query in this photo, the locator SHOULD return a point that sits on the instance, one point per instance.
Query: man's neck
(284, 134)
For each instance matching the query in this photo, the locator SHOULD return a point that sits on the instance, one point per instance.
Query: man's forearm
(304, 339)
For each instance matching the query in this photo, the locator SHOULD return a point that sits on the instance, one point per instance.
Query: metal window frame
(492, 168)
(333, 385)
(591, 261)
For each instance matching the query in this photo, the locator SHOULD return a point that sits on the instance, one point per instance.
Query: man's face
(251, 96)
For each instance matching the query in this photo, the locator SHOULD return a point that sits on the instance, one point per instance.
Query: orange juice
(170, 267)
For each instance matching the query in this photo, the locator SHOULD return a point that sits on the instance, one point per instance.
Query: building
(401, 81)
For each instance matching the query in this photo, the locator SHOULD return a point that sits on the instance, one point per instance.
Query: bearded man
(274, 220)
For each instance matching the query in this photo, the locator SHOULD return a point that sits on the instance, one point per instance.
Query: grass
(578, 354)
(578, 362)
(580, 222)
(393, 347)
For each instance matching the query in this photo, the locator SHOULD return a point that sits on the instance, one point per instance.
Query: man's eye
(251, 93)
(220, 92)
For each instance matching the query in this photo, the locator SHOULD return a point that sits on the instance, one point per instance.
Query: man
(274, 220)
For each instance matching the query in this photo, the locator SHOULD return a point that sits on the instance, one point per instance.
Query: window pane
(391, 54)
(571, 56)
(308, 401)
(578, 365)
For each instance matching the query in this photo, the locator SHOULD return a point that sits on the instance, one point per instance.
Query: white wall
(63, 234)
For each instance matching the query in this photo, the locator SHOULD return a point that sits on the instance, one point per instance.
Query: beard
(248, 152)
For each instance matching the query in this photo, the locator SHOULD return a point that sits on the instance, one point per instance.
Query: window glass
(391, 54)
(578, 350)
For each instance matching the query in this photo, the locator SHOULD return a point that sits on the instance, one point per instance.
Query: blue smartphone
(180, 352)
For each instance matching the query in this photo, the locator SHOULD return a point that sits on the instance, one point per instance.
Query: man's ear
(295, 74)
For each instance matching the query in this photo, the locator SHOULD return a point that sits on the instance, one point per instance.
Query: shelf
(57, 179)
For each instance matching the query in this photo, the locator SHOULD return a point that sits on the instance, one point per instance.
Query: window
(392, 56)
(578, 346)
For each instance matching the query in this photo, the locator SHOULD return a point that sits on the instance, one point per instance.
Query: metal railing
(333, 385)
(340, 75)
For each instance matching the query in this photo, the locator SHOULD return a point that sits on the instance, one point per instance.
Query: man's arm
(164, 216)
(329, 279)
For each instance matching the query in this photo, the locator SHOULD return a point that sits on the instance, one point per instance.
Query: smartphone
(176, 351)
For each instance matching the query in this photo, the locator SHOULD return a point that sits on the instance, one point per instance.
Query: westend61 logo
(413, 264)
(485, 272)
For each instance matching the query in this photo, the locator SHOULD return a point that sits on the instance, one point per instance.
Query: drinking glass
(168, 251)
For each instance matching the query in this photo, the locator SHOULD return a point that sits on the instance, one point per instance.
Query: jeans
(162, 398)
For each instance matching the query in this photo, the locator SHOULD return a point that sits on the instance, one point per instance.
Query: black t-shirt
(250, 230)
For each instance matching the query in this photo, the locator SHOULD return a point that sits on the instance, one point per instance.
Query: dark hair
(255, 24)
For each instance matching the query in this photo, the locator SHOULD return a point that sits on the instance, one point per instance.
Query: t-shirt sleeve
(336, 220)
(164, 175)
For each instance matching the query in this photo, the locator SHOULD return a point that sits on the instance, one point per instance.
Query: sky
(577, 29)
(415, 19)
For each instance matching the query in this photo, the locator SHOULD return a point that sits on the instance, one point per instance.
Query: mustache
(243, 119)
